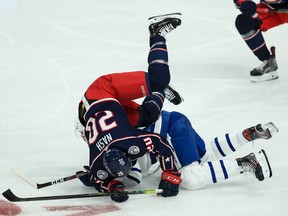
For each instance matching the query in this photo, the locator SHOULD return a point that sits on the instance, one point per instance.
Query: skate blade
(264, 163)
(265, 77)
(271, 127)
(155, 19)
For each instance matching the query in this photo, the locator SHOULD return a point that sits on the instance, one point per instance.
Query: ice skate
(256, 164)
(260, 131)
(267, 70)
(163, 24)
(172, 95)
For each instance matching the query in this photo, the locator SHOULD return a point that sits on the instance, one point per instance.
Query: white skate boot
(256, 164)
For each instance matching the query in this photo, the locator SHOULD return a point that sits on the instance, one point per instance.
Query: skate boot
(163, 24)
(256, 164)
(172, 95)
(267, 70)
(260, 131)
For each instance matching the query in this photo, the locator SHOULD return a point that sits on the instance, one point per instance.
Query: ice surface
(51, 50)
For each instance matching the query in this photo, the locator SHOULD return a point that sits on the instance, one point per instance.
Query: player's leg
(222, 146)
(196, 176)
(137, 84)
(251, 31)
(176, 127)
(188, 145)
(158, 67)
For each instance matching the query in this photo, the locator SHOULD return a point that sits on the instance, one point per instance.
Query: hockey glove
(151, 108)
(118, 188)
(85, 176)
(248, 8)
(170, 183)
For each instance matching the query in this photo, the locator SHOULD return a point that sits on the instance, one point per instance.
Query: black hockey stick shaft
(9, 195)
(46, 184)
(61, 180)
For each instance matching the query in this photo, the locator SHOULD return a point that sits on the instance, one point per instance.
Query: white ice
(51, 50)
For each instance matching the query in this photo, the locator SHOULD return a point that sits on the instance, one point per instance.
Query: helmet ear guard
(116, 162)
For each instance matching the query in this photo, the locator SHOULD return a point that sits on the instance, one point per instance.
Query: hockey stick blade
(9, 195)
(24, 177)
(46, 184)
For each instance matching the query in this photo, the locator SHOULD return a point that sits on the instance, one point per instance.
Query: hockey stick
(46, 184)
(267, 10)
(9, 195)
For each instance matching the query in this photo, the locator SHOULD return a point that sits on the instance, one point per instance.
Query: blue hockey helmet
(116, 162)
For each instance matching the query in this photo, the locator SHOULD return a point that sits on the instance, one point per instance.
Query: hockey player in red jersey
(108, 118)
(255, 19)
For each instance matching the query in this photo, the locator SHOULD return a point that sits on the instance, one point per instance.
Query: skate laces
(248, 167)
(169, 94)
(166, 29)
(249, 163)
(264, 65)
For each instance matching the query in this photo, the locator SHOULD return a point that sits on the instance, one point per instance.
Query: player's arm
(146, 113)
(151, 108)
(170, 178)
(109, 186)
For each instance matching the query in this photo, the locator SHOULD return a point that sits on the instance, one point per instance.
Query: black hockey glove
(170, 183)
(151, 108)
(118, 188)
(85, 176)
(248, 8)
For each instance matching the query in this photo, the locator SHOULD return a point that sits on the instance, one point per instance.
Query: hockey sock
(249, 29)
(196, 176)
(225, 145)
(158, 69)
(255, 41)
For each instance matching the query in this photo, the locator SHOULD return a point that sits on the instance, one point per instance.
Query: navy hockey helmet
(116, 162)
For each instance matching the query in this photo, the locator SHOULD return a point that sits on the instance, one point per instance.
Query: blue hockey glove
(248, 8)
(118, 188)
(169, 183)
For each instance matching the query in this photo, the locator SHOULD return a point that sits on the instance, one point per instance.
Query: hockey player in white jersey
(202, 164)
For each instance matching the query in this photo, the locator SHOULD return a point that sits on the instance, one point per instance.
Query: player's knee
(159, 76)
(245, 24)
(179, 123)
(193, 177)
